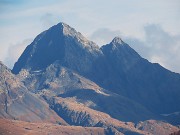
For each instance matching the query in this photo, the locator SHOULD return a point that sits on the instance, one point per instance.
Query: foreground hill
(16, 102)
(16, 127)
(9, 127)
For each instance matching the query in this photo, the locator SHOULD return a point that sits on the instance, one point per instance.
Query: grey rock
(115, 67)
(16, 102)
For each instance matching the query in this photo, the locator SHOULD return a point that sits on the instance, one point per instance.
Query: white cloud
(159, 46)
(104, 35)
(48, 20)
(15, 51)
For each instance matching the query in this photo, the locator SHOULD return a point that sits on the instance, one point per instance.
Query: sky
(151, 27)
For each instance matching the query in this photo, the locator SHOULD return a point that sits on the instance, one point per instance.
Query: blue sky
(152, 28)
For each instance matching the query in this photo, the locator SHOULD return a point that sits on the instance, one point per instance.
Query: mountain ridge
(115, 66)
(86, 85)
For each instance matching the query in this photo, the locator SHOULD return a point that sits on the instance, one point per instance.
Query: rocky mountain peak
(117, 40)
(60, 42)
(72, 33)
(117, 43)
(67, 30)
(63, 28)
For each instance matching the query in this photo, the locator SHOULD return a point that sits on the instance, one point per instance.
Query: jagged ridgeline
(115, 66)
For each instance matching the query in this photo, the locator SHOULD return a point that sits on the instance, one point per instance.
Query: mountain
(58, 81)
(141, 80)
(115, 67)
(60, 42)
(136, 78)
(62, 78)
(16, 102)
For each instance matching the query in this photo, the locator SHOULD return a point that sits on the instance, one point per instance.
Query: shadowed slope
(16, 102)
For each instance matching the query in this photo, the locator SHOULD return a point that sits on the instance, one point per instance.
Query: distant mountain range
(64, 78)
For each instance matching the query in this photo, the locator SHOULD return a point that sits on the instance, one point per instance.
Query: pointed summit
(61, 24)
(60, 42)
(117, 40)
(66, 29)
(116, 44)
(120, 53)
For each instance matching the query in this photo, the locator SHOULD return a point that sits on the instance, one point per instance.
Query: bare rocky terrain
(16, 102)
(9, 127)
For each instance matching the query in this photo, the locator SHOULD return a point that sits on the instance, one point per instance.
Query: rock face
(134, 77)
(60, 42)
(115, 67)
(16, 102)
(156, 127)
(78, 114)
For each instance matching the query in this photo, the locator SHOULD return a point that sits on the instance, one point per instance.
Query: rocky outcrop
(16, 102)
(76, 113)
(156, 127)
